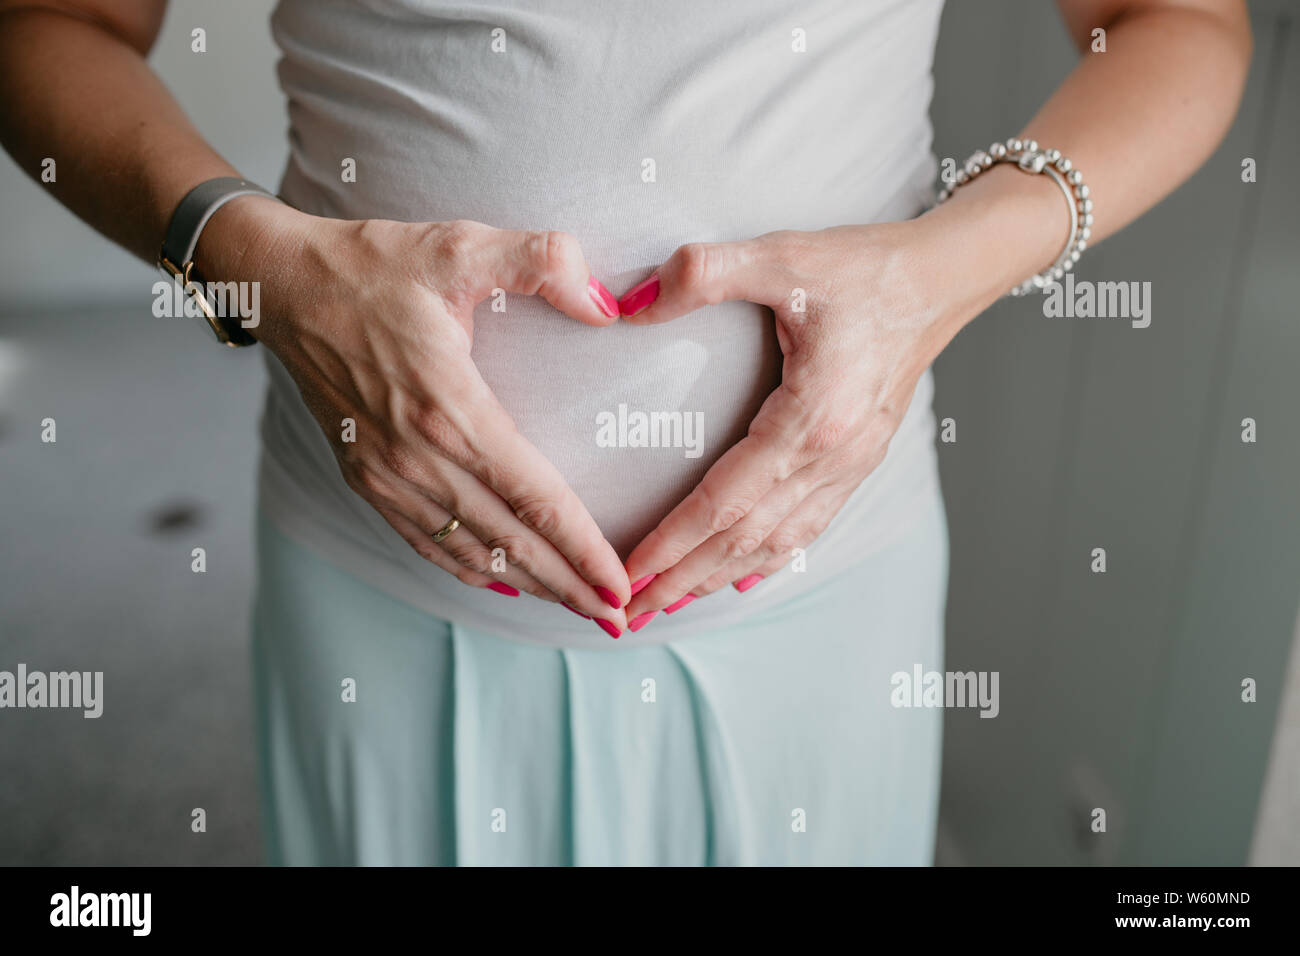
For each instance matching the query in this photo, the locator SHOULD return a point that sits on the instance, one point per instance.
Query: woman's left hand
(859, 318)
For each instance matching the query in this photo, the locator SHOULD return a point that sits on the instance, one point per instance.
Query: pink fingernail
(603, 298)
(678, 605)
(744, 584)
(505, 589)
(640, 584)
(608, 627)
(576, 611)
(641, 620)
(639, 296)
(609, 597)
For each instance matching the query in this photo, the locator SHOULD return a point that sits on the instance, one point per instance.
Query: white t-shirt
(636, 127)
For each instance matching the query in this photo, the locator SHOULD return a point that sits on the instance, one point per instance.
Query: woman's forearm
(1137, 120)
(80, 93)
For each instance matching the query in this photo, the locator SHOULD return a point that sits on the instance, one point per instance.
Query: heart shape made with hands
(846, 384)
(632, 304)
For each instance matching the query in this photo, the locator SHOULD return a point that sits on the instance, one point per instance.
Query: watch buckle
(197, 293)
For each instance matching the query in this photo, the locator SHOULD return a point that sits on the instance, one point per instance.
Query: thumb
(705, 273)
(549, 264)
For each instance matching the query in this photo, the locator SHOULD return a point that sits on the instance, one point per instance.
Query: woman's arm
(883, 301)
(373, 319)
(77, 89)
(1138, 120)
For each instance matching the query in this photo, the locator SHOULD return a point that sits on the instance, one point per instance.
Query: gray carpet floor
(154, 456)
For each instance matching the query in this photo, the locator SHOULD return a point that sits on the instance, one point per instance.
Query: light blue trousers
(390, 736)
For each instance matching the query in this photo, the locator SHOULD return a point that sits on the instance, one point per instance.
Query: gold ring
(446, 529)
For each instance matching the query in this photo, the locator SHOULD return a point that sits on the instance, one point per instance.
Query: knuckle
(667, 549)
(451, 242)
(780, 452)
(719, 516)
(498, 474)
(456, 234)
(554, 252)
(782, 541)
(518, 551)
(437, 428)
(470, 556)
(539, 513)
(676, 552)
(742, 543)
(398, 461)
(478, 560)
(694, 265)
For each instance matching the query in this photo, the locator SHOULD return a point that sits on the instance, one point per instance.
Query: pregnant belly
(631, 416)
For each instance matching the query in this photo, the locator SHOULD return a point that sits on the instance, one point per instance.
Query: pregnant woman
(598, 497)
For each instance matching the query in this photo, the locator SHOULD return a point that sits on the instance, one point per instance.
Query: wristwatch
(176, 258)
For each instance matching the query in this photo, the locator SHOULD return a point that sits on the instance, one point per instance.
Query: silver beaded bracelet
(1027, 157)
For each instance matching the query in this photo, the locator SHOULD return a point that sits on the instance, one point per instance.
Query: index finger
(509, 464)
(729, 490)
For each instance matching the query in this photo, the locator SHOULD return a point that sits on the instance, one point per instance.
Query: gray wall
(1119, 690)
(1122, 690)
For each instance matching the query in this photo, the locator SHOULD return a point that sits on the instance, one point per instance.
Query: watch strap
(197, 208)
(176, 257)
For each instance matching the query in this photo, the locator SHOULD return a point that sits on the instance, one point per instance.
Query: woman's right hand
(373, 319)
